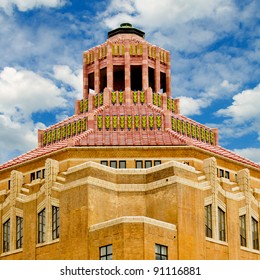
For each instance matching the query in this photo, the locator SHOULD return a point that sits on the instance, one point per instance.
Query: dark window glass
(122, 164)
(139, 164)
(221, 225)
(19, 232)
(113, 163)
(6, 236)
(38, 174)
(157, 162)
(255, 234)
(32, 176)
(105, 252)
(221, 173)
(55, 222)
(42, 226)
(148, 163)
(9, 184)
(208, 220)
(43, 173)
(104, 162)
(161, 252)
(242, 221)
(227, 174)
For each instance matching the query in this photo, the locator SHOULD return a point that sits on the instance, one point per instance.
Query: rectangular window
(55, 222)
(9, 184)
(41, 226)
(32, 176)
(6, 236)
(221, 225)
(113, 163)
(221, 173)
(255, 234)
(157, 162)
(38, 174)
(208, 220)
(148, 163)
(105, 252)
(122, 164)
(43, 173)
(242, 221)
(227, 174)
(161, 252)
(19, 232)
(104, 162)
(139, 164)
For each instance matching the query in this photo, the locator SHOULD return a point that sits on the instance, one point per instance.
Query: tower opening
(163, 82)
(119, 77)
(103, 79)
(136, 77)
(151, 78)
(91, 84)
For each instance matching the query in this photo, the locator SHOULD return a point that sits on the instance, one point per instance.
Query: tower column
(168, 75)
(157, 78)
(97, 72)
(127, 73)
(109, 66)
(145, 82)
(85, 78)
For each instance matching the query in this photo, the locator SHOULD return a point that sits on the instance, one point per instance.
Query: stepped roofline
(126, 28)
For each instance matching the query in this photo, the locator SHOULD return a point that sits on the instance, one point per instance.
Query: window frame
(111, 162)
(159, 255)
(104, 162)
(242, 224)
(42, 226)
(122, 162)
(255, 234)
(108, 252)
(208, 220)
(157, 162)
(146, 162)
(139, 162)
(222, 224)
(19, 232)
(6, 235)
(55, 222)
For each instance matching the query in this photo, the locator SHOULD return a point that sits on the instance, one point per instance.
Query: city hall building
(128, 176)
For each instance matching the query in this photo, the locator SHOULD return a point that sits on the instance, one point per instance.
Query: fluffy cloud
(25, 5)
(251, 153)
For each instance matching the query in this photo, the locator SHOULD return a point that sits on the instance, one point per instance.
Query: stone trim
(132, 219)
(217, 241)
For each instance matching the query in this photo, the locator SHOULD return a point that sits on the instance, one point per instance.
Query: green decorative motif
(86, 105)
(197, 132)
(81, 109)
(173, 106)
(129, 122)
(54, 135)
(69, 129)
(193, 131)
(142, 97)
(64, 132)
(84, 124)
(159, 122)
(101, 99)
(173, 123)
(183, 127)
(114, 122)
(135, 97)
(121, 97)
(211, 137)
(74, 128)
(202, 134)
(49, 136)
(96, 100)
(151, 121)
(59, 133)
(99, 121)
(154, 99)
(144, 120)
(113, 97)
(188, 129)
(178, 125)
(159, 100)
(79, 126)
(107, 122)
(136, 122)
(122, 121)
(168, 103)
(44, 138)
(207, 135)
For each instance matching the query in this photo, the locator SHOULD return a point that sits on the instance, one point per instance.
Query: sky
(215, 57)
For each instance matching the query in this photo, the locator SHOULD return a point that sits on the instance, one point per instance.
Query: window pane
(221, 225)
(139, 164)
(104, 162)
(105, 252)
(208, 220)
(157, 162)
(113, 164)
(122, 164)
(148, 163)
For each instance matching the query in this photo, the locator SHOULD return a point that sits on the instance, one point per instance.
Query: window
(113, 163)
(55, 222)
(255, 234)
(139, 164)
(221, 173)
(242, 221)
(19, 232)
(9, 184)
(38, 174)
(122, 164)
(221, 225)
(208, 220)
(43, 173)
(157, 162)
(6, 236)
(105, 252)
(227, 174)
(32, 176)
(104, 162)
(161, 252)
(41, 226)
(148, 163)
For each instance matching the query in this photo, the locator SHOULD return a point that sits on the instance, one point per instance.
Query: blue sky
(215, 55)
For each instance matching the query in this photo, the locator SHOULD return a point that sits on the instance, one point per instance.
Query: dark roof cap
(126, 28)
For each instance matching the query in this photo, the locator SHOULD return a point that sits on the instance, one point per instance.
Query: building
(128, 176)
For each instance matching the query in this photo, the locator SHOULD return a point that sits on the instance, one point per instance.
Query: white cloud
(190, 106)
(25, 5)
(250, 153)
